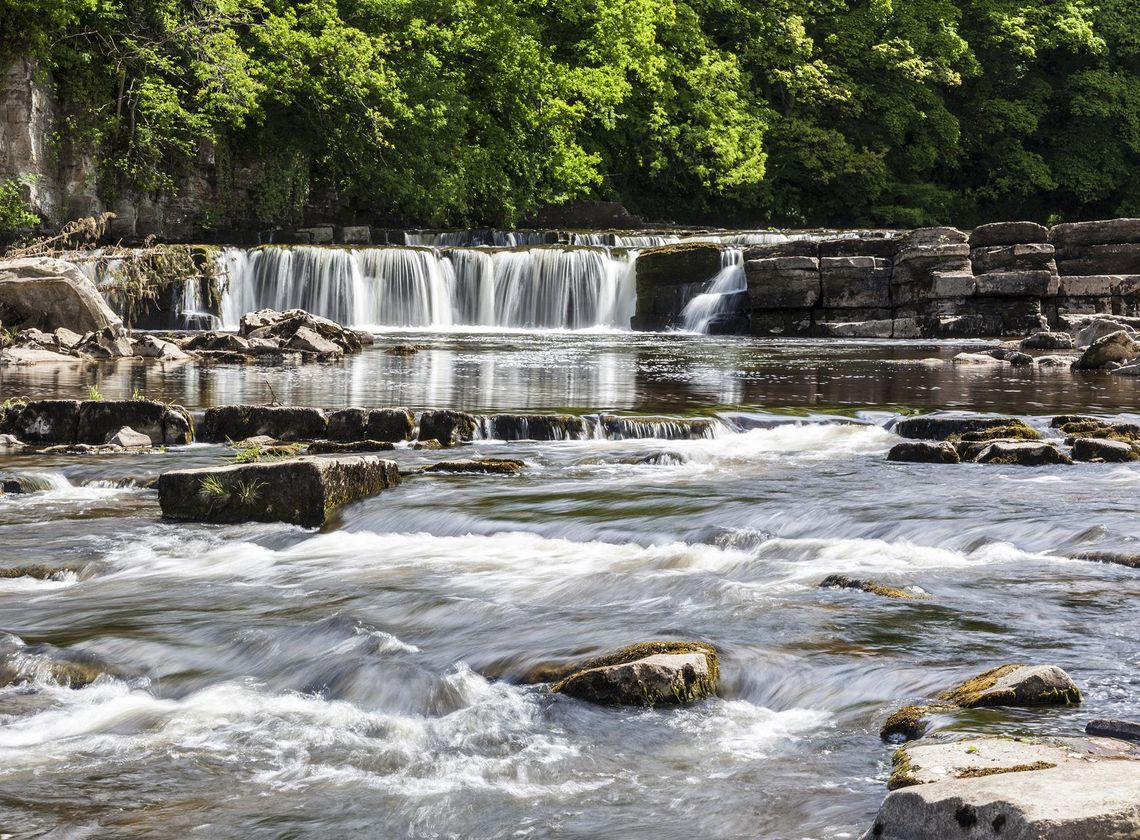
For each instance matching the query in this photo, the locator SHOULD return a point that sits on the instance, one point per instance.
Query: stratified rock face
(924, 452)
(448, 427)
(652, 674)
(1093, 800)
(940, 426)
(94, 421)
(1008, 233)
(238, 422)
(301, 491)
(48, 294)
(1016, 685)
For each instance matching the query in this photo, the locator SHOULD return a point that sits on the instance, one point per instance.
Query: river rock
(43, 421)
(330, 447)
(23, 664)
(298, 324)
(306, 340)
(1115, 558)
(237, 422)
(107, 343)
(482, 466)
(1022, 454)
(163, 424)
(924, 452)
(128, 438)
(1015, 685)
(302, 491)
(1047, 341)
(1098, 328)
(1114, 347)
(942, 426)
(1093, 797)
(1125, 730)
(390, 424)
(152, 347)
(881, 589)
(48, 293)
(448, 427)
(649, 674)
(1101, 449)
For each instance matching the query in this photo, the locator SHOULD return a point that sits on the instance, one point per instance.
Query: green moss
(1015, 430)
(900, 771)
(36, 570)
(969, 693)
(909, 722)
(980, 772)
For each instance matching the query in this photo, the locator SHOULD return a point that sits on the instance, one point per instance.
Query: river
(364, 680)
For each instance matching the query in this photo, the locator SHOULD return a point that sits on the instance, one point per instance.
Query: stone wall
(1007, 278)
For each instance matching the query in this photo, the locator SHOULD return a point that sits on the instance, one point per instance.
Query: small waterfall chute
(722, 295)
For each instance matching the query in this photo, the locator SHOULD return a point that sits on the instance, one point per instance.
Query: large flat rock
(301, 491)
(1076, 800)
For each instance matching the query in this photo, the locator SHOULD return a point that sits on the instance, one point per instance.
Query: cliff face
(27, 122)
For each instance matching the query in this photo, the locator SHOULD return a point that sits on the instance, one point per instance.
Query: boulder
(48, 294)
(1100, 449)
(1022, 454)
(107, 343)
(301, 491)
(1114, 347)
(1075, 800)
(942, 426)
(306, 340)
(924, 452)
(649, 674)
(329, 447)
(1015, 685)
(237, 422)
(1098, 328)
(227, 342)
(128, 438)
(163, 424)
(390, 424)
(448, 427)
(537, 427)
(152, 347)
(34, 356)
(977, 359)
(44, 421)
(1007, 233)
(347, 424)
(285, 326)
(1047, 341)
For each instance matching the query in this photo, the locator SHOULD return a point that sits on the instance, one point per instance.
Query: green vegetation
(462, 112)
(14, 212)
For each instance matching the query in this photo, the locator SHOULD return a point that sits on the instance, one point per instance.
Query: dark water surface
(362, 680)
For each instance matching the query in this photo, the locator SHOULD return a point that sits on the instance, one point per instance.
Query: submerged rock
(1116, 558)
(924, 452)
(23, 664)
(1125, 730)
(647, 674)
(1047, 341)
(842, 582)
(906, 724)
(482, 466)
(1026, 792)
(1022, 454)
(1015, 685)
(448, 427)
(301, 491)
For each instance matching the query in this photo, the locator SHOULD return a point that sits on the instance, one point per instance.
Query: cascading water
(721, 295)
(532, 288)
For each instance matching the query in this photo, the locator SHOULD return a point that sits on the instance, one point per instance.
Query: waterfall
(522, 287)
(721, 296)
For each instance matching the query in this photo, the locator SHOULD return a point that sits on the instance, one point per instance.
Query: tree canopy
(452, 112)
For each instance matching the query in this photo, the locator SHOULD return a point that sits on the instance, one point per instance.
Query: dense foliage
(464, 112)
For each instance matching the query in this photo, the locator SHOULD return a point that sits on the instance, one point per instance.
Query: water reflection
(591, 371)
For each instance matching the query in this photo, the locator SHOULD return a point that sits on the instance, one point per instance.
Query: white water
(532, 288)
(700, 312)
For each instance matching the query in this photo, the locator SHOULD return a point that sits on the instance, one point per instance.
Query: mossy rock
(881, 589)
(907, 723)
(39, 571)
(483, 466)
(1015, 430)
(645, 674)
(1015, 685)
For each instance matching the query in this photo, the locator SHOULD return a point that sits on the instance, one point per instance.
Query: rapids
(364, 680)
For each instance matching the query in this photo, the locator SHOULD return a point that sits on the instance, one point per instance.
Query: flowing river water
(364, 680)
